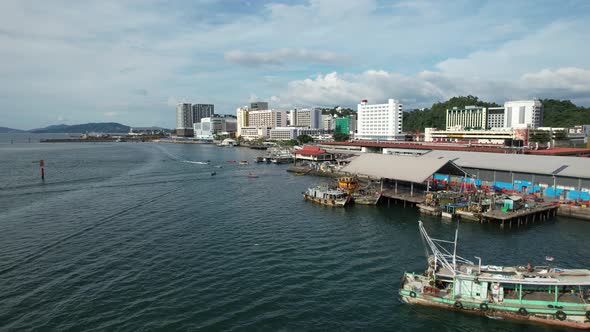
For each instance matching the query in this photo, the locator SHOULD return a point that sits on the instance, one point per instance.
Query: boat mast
(455, 248)
(441, 251)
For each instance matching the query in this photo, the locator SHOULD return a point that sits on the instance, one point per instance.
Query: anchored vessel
(542, 294)
(327, 196)
(366, 198)
(350, 183)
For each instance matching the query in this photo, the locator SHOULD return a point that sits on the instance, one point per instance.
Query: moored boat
(541, 294)
(348, 183)
(328, 197)
(244, 162)
(364, 198)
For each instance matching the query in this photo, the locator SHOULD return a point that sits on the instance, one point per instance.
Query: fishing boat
(244, 162)
(348, 183)
(366, 198)
(541, 294)
(328, 197)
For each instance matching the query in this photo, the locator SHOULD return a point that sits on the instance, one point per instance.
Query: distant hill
(102, 127)
(4, 130)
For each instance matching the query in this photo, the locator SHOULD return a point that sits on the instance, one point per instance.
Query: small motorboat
(231, 161)
(213, 173)
(251, 175)
(218, 166)
(244, 162)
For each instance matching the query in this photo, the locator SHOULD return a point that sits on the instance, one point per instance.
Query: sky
(132, 61)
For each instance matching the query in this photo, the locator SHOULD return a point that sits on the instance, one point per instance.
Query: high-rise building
(267, 119)
(523, 114)
(242, 119)
(307, 118)
(184, 124)
(344, 125)
(200, 111)
(259, 106)
(328, 122)
(380, 121)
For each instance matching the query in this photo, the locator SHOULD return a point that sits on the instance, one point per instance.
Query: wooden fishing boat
(541, 294)
(348, 183)
(364, 198)
(328, 197)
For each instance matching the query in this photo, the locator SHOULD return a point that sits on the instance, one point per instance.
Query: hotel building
(380, 121)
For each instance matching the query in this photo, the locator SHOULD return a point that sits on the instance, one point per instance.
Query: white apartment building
(208, 127)
(380, 121)
(523, 114)
(267, 118)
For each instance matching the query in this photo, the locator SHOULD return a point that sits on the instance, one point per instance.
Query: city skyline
(132, 62)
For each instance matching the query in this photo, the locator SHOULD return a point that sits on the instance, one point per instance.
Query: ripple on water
(132, 238)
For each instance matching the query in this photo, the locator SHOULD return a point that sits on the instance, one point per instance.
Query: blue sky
(132, 61)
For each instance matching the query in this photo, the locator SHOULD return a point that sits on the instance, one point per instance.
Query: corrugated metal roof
(575, 167)
(403, 168)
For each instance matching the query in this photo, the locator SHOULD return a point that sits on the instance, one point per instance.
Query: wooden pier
(402, 197)
(520, 217)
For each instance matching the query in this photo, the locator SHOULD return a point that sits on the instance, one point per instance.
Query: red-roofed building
(312, 153)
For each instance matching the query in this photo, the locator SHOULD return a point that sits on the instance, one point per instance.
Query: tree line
(556, 113)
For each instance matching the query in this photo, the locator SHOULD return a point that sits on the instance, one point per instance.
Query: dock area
(404, 198)
(520, 217)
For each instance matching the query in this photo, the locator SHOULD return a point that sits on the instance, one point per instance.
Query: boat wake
(196, 162)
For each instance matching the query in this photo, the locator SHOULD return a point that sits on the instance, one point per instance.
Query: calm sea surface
(133, 236)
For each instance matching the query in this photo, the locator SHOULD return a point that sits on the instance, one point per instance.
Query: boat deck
(546, 297)
(539, 275)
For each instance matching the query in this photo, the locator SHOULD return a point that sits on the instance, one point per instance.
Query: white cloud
(423, 89)
(280, 56)
(142, 57)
